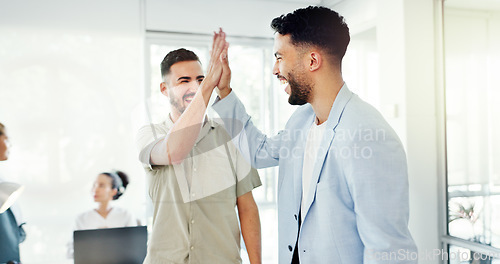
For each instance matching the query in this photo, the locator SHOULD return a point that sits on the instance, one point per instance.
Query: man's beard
(300, 89)
(178, 103)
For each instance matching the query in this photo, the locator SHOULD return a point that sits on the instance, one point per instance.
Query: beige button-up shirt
(194, 218)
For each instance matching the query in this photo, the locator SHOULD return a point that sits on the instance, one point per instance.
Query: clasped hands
(218, 72)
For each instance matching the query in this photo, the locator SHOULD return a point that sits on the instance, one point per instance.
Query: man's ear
(315, 60)
(163, 88)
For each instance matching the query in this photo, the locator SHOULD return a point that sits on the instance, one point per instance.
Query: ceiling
(311, 2)
(474, 4)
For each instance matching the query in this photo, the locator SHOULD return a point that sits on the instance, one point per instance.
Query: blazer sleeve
(258, 149)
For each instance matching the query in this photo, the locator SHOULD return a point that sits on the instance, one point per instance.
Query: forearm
(183, 134)
(250, 230)
(259, 150)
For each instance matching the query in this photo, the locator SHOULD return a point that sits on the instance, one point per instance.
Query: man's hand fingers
(219, 45)
(224, 56)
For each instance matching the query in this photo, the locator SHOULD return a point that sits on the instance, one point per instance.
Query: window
(251, 61)
(472, 59)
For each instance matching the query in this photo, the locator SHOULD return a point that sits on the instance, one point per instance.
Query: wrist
(224, 92)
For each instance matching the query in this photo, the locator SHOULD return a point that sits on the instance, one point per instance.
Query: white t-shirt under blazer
(311, 151)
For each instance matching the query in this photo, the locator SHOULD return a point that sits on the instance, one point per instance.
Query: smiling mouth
(282, 79)
(188, 97)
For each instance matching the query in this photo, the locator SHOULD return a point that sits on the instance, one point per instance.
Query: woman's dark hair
(119, 181)
(316, 26)
(2, 129)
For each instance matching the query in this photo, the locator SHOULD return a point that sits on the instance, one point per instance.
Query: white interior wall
(422, 124)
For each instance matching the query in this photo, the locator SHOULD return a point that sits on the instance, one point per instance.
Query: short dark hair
(175, 56)
(317, 26)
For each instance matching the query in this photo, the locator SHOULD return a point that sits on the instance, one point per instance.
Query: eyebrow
(189, 78)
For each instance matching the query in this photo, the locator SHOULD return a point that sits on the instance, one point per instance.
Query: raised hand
(224, 86)
(215, 66)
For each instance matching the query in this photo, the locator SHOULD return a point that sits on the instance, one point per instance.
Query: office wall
(70, 75)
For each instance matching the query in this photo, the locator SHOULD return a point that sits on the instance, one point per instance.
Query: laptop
(126, 245)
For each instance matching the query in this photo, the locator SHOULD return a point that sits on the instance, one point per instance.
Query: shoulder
(360, 114)
(362, 124)
(149, 128)
(299, 116)
(358, 109)
(83, 220)
(149, 133)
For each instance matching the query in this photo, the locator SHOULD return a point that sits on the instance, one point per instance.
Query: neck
(104, 208)
(326, 88)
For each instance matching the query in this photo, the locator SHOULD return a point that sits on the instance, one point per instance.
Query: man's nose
(194, 85)
(276, 69)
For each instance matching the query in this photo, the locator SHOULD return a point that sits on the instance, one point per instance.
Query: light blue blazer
(357, 205)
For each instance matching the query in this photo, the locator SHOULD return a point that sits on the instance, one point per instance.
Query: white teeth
(283, 81)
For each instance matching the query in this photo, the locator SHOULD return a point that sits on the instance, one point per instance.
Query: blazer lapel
(334, 117)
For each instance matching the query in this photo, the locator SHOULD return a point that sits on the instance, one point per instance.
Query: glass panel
(472, 60)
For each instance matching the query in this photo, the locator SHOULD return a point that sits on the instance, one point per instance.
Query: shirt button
(192, 221)
(193, 194)
(290, 248)
(194, 169)
(192, 247)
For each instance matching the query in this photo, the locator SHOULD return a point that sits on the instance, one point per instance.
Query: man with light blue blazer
(343, 183)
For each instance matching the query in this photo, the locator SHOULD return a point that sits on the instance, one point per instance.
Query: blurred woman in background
(108, 186)
(11, 230)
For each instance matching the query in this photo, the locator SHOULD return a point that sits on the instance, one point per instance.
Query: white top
(117, 217)
(311, 151)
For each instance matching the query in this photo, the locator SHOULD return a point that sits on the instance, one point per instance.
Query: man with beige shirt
(196, 175)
